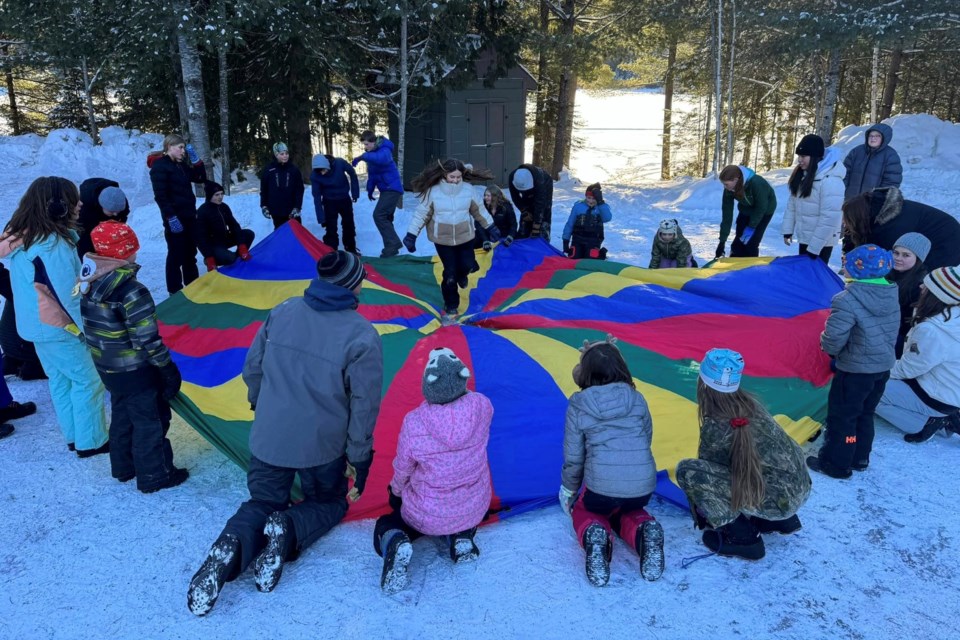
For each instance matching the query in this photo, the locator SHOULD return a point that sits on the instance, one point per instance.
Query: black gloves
(566, 247)
(493, 233)
(359, 471)
(507, 241)
(410, 242)
(721, 250)
(170, 375)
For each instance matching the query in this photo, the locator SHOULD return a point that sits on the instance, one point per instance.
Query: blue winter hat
(320, 162)
(112, 199)
(868, 261)
(721, 370)
(523, 179)
(279, 147)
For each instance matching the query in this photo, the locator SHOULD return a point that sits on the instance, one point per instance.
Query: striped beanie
(944, 283)
(341, 268)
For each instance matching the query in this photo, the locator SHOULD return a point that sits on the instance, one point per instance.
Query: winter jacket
(448, 210)
(91, 213)
(815, 220)
(216, 227)
(504, 217)
(441, 470)
(580, 208)
(676, 253)
(120, 319)
(172, 188)
(535, 205)
(931, 356)
(606, 442)
(869, 168)
(281, 188)
(707, 479)
(42, 279)
(314, 373)
(861, 331)
(758, 202)
(891, 216)
(382, 172)
(339, 183)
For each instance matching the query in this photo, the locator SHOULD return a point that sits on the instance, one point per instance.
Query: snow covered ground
(83, 556)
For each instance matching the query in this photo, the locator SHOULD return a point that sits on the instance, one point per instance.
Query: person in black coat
(882, 216)
(217, 230)
(171, 178)
(281, 188)
(335, 188)
(92, 211)
(504, 217)
(531, 189)
(19, 356)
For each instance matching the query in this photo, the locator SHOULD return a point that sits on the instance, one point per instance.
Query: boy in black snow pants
(217, 230)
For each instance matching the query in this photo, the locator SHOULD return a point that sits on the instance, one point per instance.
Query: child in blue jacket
(583, 233)
(335, 188)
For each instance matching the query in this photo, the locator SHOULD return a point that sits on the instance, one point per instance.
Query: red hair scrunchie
(736, 423)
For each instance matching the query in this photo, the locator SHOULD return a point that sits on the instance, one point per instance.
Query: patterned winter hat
(868, 261)
(114, 240)
(668, 226)
(445, 377)
(944, 283)
(915, 243)
(721, 370)
(341, 268)
(279, 147)
(112, 199)
(523, 179)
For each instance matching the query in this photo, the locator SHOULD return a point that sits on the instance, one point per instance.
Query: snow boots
(16, 410)
(269, 564)
(649, 546)
(599, 550)
(814, 463)
(462, 546)
(207, 582)
(739, 539)
(784, 527)
(177, 477)
(933, 425)
(396, 558)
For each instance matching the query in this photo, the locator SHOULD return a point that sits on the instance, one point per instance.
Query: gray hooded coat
(607, 440)
(872, 168)
(861, 331)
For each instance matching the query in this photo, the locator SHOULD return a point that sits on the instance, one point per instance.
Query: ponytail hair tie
(736, 423)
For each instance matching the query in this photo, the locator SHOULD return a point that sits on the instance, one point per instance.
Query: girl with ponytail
(749, 477)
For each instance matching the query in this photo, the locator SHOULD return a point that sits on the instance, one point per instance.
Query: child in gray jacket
(861, 333)
(606, 448)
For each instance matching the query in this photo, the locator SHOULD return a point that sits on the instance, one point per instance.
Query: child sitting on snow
(441, 483)
(606, 448)
(748, 477)
(217, 230)
(583, 233)
(120, 327)
(670, 248)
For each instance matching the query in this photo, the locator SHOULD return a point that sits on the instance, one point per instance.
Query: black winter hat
(341, 268)
(211, 188)
(811, 145)
(595, 191)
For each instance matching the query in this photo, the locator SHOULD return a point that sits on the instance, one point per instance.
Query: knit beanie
(915, 243)
(113, 199)
(721, 370)
(114, 240)
(944, 283)
(211, 188)
(811, 145)
(523, 179)
(320, 162)
(445, 377)
(668, 226)
(595, 192)
(279, 147)
(341, 268)
(868, 261)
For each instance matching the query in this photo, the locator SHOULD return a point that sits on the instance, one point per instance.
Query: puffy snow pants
(76, 392)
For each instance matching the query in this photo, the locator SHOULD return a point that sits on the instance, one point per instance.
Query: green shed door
(485, 136)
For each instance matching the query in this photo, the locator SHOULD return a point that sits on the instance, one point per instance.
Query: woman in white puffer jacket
(448, 207)
(814, 210)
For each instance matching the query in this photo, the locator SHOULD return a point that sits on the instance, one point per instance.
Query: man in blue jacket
(382, 174)
(335, 188)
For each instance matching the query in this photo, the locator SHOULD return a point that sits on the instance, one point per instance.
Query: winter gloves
(535, 230)
(295, 214)
(170, 375)
(243, 252)
(487, 245)
(567, 498)
(372, 197)
(494, 233)
(359, 471)
(192, 154)
(355, 161)
(747, 234)
(566, 246)
(211, 264)
(721, 250)
(410, 242)
(507, 241)
(787, 239)
(175, 225)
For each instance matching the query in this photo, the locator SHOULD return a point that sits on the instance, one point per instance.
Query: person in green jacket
(756, 203)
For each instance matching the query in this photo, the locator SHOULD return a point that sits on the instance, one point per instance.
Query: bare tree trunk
(668, 108)
(733, 40)
(224, 117)
(196, 102)
(88, 100)
(706, 135)
(873, 83)
(890, 83)
(566, 71)
(404, 90)
(906, 96)
(539, 126)
(298, 112)
(11, 93)
(830, 93)
(571, 103)
(718, 89)
(792, 116)
(751, 131)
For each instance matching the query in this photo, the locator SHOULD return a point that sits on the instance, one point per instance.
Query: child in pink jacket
(441, 483)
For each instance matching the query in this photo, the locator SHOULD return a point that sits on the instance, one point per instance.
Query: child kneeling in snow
(748, 477)
(670, 248)
(441, 483)
(606, 448)
(120, 327)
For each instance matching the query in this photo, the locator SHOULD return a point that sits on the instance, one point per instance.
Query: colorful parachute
(527, 311)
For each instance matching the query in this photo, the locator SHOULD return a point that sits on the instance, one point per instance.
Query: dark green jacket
(119, 318)
(759, 201)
